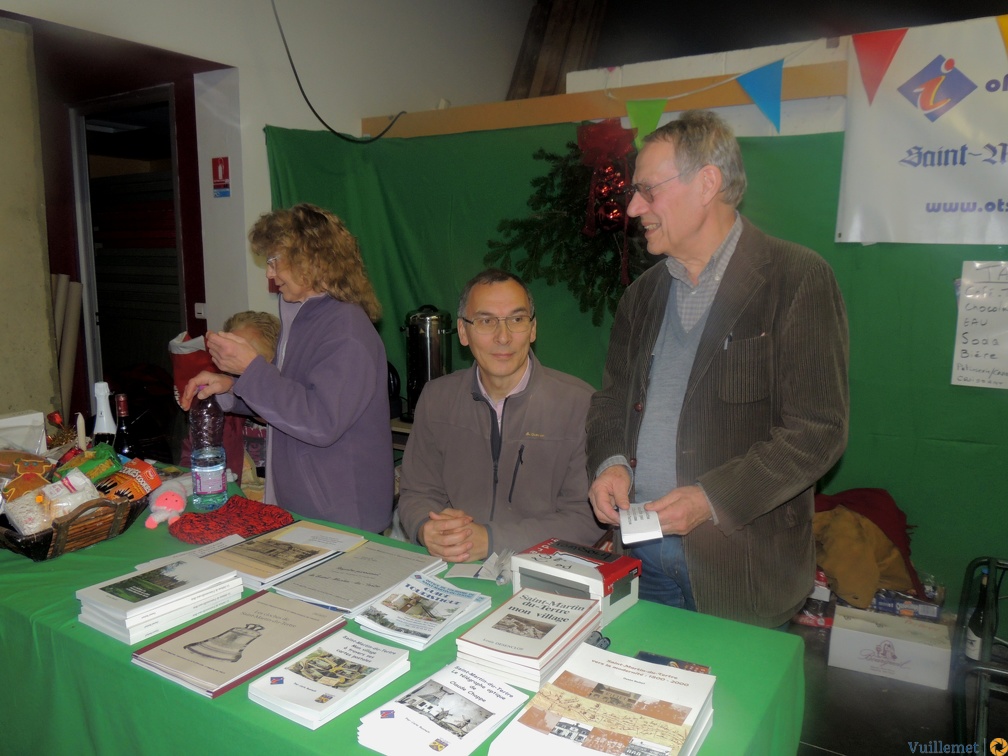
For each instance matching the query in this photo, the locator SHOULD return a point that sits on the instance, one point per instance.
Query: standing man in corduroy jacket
(724, 397)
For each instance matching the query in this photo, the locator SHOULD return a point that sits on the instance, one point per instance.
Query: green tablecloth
(67, 688)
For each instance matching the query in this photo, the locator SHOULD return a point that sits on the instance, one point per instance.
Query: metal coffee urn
(428, 351)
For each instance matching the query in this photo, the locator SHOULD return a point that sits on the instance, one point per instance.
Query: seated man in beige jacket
(496, 456)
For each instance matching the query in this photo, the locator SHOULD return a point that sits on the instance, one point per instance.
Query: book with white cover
(420, 610)
(353, 580)
(319, 684)
(268, 558)
(613, 704)
(530, 628)
(528, 677)
(171, 616)
(524, 678)
(142, 595)
(451, 712)
(232, 585)
(239, 642)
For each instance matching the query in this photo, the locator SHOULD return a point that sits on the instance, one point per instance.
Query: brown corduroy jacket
(764, 417)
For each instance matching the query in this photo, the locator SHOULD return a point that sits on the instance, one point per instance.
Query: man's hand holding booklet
(638, 524)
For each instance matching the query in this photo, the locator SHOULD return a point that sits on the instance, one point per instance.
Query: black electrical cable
(321, 120)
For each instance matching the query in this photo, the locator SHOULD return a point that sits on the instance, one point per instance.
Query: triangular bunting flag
(1002, 22)
(875, 51)
(764, 87)
(644, 115)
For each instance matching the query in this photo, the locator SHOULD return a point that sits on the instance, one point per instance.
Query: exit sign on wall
(221, 177)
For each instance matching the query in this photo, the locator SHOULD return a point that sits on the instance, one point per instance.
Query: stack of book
(526, 639)
(266, 559)
(618, 703)
(452, 712)
(318, 685)
(420, 610)
(239, 642)
(353, 580)
(134, 607)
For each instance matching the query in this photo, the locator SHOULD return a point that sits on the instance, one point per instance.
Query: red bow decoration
(606, 148)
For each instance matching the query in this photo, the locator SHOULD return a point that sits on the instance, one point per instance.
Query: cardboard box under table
(890, 646)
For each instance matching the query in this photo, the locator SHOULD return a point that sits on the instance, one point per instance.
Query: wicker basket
(90, 523)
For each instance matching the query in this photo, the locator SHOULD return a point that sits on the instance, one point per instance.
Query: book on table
(239, 642)
(611, 703)
(265, 559)
(420, 610)
(136, 606)
(530, 635)
(143, 594)
(134, 631)
(321, 683)
(453, 712)
(353, 580)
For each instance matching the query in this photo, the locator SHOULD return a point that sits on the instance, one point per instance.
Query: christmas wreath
(578, 230)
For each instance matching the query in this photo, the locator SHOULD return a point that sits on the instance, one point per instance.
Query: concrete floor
(854, 714)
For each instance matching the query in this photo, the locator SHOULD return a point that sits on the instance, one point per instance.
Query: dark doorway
(131, 182)
(126, 181)
(119, 84)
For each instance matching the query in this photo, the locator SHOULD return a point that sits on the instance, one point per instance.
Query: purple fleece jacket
(328, 413)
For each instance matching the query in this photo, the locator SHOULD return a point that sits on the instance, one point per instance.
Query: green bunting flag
(644, 115)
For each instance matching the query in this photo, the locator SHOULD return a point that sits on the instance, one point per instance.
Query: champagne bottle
(123, 443)
(104, 427)
(974, 628)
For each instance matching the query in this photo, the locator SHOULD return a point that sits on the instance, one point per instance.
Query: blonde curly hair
(319, 248)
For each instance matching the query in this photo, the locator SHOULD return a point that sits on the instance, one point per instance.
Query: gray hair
(701, 138)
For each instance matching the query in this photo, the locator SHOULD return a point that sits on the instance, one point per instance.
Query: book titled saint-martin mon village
(527, 638)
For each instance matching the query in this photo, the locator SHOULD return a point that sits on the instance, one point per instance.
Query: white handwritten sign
(981, 348)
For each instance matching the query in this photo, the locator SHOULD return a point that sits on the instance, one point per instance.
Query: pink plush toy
(167, 508)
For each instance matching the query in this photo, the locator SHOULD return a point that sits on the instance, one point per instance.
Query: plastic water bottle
(209, 477)
(208, 461)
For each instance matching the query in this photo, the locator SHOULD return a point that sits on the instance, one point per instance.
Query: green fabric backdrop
(424, 209)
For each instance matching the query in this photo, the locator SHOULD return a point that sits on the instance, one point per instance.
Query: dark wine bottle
(123, 443)
(974, 628)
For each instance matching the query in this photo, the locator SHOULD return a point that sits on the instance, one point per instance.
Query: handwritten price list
(980, 357)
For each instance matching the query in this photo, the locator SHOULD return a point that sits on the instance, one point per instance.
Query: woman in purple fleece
(325, 394)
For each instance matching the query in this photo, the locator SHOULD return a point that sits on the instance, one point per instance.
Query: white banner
(926, 147)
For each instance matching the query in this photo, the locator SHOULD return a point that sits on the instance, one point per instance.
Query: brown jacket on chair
(764, 417)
